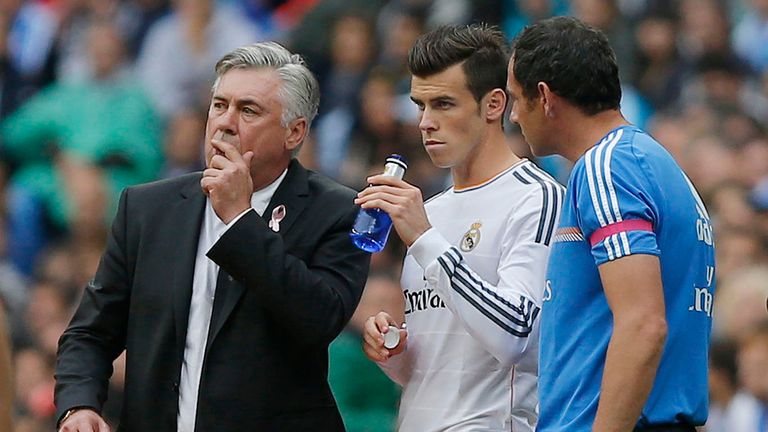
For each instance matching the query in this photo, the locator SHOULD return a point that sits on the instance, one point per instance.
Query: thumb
(248, 157)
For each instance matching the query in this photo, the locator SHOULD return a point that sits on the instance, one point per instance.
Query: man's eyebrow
(441, 98)
(247, 101)
(240, 102)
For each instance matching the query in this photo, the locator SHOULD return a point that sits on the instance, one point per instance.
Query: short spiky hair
(480, 48)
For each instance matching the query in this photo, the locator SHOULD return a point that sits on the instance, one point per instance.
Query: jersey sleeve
(616, 209)
(502, 317)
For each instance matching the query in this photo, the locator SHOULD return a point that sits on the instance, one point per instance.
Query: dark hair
(574, 59)
(481, 48)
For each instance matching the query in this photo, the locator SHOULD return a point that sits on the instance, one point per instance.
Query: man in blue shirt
(627, 308)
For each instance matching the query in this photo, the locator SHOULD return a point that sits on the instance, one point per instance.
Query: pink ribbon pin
(278, 214)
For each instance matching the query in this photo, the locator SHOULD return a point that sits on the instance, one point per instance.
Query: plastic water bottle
(372, 226)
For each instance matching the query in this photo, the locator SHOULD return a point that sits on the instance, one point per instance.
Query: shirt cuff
(225, 228)
(428, 247)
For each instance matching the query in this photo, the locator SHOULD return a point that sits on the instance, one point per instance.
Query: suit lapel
(293, 193)
(228, 293)
(184, 232)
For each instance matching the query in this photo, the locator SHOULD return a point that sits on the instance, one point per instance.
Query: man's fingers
(206, 184)
(211, 172)
(372, 332)
(84, 420)
(372, 337)
(220, 162)
(384, 196)
(383, 321)
(232, 157)
(373, 342)
(374, 354)
(230, 150)
(382, 324)
(374, 348)
(387, 180)
(399, 197)
(378, 189)
(386, 206)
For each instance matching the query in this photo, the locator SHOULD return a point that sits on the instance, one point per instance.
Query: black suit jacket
(290, 293)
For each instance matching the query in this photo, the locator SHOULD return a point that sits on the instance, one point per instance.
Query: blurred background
(96, 95)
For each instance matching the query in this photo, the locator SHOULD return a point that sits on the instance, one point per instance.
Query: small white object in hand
(391, 337)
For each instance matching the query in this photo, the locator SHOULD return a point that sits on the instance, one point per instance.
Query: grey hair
(300, 92)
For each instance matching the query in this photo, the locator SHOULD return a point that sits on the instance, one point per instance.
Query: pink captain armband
(619, 227)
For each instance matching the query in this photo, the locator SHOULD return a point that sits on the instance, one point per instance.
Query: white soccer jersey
(473, 288)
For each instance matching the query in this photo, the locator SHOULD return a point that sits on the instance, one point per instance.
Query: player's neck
(490, 157)
(586, 131)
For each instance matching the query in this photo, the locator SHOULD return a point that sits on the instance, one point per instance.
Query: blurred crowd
(96, 95)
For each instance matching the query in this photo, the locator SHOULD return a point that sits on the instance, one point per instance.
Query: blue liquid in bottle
(372, 226)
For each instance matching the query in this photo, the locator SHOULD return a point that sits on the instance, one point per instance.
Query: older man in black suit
(224, 288)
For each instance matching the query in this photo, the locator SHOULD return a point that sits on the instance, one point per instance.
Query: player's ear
(295, 133)
(547, 98)
(495, 103)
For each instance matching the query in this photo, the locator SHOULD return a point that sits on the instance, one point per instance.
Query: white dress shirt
(201, 306)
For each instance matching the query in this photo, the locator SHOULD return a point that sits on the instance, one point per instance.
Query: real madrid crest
(471, 238)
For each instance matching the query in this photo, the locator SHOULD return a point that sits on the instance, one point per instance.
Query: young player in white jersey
(473, 277)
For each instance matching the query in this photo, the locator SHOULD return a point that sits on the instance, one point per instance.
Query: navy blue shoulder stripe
(543, 173)
(552, 197)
